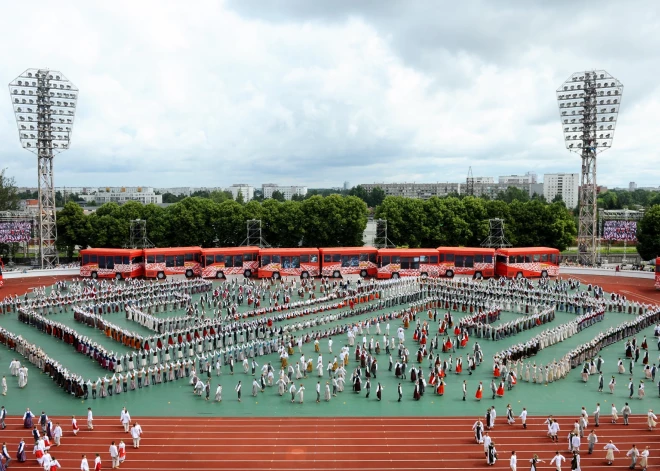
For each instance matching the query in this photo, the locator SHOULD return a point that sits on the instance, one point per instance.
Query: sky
(316, 93)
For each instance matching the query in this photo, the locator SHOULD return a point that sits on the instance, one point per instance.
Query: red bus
(112, 263)
(394, 263)
(478, 262)
(657, 274)
(339, 261)
(276, 263)
(173, 261)
(220, 262)
(527, 262)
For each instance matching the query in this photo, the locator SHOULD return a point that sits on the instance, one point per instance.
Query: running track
(346, 444)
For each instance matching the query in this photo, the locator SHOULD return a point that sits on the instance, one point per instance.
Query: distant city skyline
(228, 92)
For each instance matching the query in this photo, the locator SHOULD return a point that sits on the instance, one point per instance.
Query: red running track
(346, 444)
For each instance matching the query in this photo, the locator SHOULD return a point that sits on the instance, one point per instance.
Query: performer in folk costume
(27, 419)
(480, 391)
(478, 428)
(491, 454)
(74, 425)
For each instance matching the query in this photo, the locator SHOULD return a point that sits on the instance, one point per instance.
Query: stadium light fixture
(588, 108)
(44, 103)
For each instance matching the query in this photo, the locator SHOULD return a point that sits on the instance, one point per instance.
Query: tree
(278, 196)
(171, 198)
(648, 234)
(73, 228)
(8, 193)
(376, 197)
(239, 197)
(513, 194)
(558, 198)
(220, 196)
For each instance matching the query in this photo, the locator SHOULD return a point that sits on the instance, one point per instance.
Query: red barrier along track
(346, 444)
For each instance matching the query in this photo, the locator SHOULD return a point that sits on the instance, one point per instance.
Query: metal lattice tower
(138, 236)
(381, 241)
(44, 104)
(589, 106)
(469, 183)
(496, 238)
(254, 236)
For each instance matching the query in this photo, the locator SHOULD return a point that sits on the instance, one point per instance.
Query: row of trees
(464, 221)
(318, 222)
(315, 222)
(620, 199)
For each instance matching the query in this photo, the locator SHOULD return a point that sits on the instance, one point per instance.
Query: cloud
(320, 92)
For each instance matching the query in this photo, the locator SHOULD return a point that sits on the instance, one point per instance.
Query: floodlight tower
(589, 106)
(44, 104)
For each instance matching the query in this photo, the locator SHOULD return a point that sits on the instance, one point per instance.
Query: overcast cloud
(319, 92)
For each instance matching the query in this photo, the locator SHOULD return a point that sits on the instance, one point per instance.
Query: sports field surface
(183, 431)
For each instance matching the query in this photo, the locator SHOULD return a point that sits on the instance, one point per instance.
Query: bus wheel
(247, 273)
(336, 274)
(117, 276)
(395, 276)
(304, 275)
(544, 274)
(219, 275)
(478, 275)
(276, 276)
(363, 273)
(449, 274)
(95, 275)
(519, 275)
(189, 273)
(160, 275)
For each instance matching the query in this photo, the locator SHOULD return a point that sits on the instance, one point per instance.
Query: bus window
(415, 263)
(469, 261)
(423, 259)
(433, 259)
(336, 257)
(405, 263)
(265, 260)
(373, 257)
(110, 262)
(327, 258)
(189, 257)
(118, 260)
(396, 259)
(85, 259)
(101, 261)
(478, 258)
(489, 259)
(442, 257)
(276, 259)
(304, 259)
(238, 260)
(520, 259)
(151, 259)
(93, 258)
(458, 261)
(295, 262)
(248, 257)
(364, 257)
(229, 261)
(180, 260)
(160, 258)
(125, 260)
(512, 259)
(384, 261)
(528, 259)
(553, 258)
(169, 261)
(345, 261)
(449, 257)
(536, 257)
(314, 258)
(208, 260)
(544, 257)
